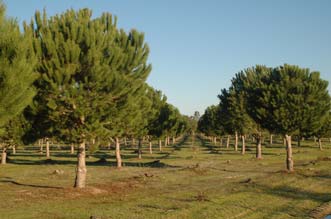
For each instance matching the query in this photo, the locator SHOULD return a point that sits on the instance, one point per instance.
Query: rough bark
(160, 144)
(47, 148)
(150, 147)
(72, 149)
(80, 181)
(4, 155)
(228, 142)
(320, 144)
(243, 147)
(258, 147)
(118, 153)
(236, 141)
(289, 158)
(139, 148)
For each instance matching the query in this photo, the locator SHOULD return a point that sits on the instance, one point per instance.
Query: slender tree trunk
(228, 142)
(80, 181)
(133, 142)
(125, 142)
(40, 143)
(299, 141)
(258, 147)
(150, 147)
(221, 141)
(289, 158)
(271, 140)
(284, 141)
(243, 148)
(160, 144)
(320, 144)
(118, 153)
(4, 155)
(315, 139)
(72, 148)
(215, 140)
(236, 141)
(47, 149)
(14, 149)
(168, 140)
(165, 141)
(139, 148)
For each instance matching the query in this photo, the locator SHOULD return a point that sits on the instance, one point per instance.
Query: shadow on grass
(30, 185)
(207, 146)
(293, 193)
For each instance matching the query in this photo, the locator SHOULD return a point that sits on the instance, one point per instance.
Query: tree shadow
(30, 185)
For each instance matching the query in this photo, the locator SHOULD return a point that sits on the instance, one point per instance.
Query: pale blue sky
(197, 46)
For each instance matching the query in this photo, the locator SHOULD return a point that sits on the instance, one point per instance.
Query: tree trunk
(139, 148)
(150, 147)
(80, 181)
(168, 140)
(299, 141)
(221, 141)
(243, 148)
(41, 143)
(47, 149)
(315, 139)
(284, 141)
(160, 144)
(14, 149)
(118, 153)
(320, 144)
(125, 142)
(72, 148)
(173, 140)
(228, 142)
(215, 140)
(4, 155)
(165, 141)
(133, 142)
(236, 141)
(289, 158)
(258, 147)
(271, 140)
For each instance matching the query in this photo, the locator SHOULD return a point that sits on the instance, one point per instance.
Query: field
(192, 179)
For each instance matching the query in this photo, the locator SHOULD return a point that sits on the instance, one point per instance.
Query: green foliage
(16, 70)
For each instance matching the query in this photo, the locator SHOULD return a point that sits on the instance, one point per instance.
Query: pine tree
(16, 73)
(86, 66)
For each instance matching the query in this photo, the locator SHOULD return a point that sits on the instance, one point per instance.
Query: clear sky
(198, 45)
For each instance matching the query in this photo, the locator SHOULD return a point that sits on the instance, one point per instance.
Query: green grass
(191, 180)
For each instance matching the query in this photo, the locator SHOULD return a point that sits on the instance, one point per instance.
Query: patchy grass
(194, 179)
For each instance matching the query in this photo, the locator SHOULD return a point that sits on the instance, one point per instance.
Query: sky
(197, 46)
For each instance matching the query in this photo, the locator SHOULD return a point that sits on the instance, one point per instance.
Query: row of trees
(286, 100)
(79, 80)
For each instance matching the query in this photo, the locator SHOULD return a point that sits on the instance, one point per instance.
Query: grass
(188, 180)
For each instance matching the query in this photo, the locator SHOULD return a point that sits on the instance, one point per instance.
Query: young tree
(86, 66)
(281, 100)
(16, 73)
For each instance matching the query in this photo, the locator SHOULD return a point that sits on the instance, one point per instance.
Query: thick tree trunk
(118, 153)
(47, 148)
(228, 142)
(243, 147)
(160, 144)
(72, 148)
(139, 148)
(150, 147)
(80, 181)
(289, 158)
(271, 140)
(4, 155)
(320, 144)
(14, 149)
(236, 141)
(258, 147)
